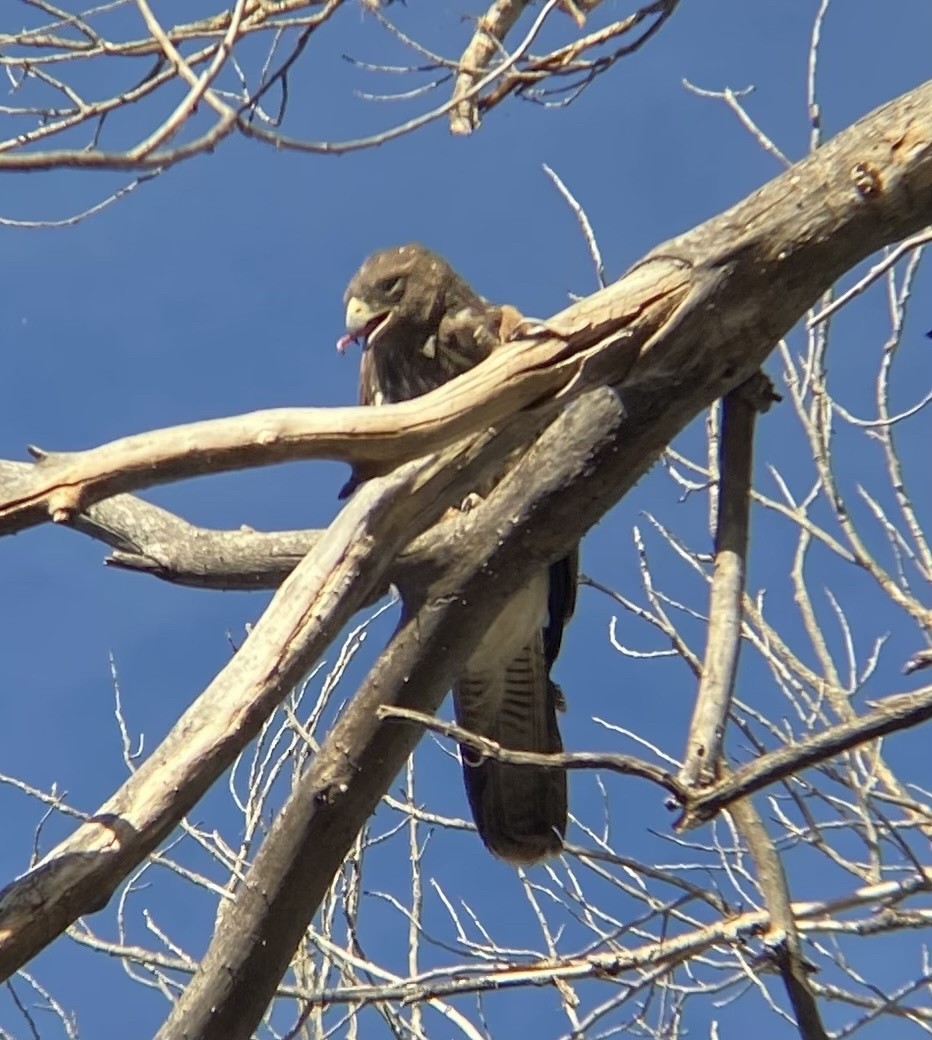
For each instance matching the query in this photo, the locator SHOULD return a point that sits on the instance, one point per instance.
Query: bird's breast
(406, 372)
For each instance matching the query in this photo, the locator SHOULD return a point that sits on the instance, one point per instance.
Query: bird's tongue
(360, 335)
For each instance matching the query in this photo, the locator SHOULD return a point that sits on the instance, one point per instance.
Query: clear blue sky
(216, 289)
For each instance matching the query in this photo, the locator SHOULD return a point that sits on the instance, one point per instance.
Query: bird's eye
(392, 286)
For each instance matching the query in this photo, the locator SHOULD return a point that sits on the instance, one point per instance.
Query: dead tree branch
(635, 362)
(239, 64)
(756, 268)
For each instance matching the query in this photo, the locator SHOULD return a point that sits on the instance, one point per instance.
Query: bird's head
(399, 290)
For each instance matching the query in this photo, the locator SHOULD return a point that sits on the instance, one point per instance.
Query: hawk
(420, 325)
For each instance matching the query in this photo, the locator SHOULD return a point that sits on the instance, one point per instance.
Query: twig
(627, 765)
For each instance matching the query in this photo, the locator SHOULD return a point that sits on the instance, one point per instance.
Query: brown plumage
(420, 325)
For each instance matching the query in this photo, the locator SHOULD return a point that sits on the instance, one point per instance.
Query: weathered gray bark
(693, 320)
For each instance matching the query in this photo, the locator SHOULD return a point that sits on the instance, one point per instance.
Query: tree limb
(330, 584)
(901, 711)
(704, 750)
(707, 305)
(689, 323)
(723, 637)
(309, 839)
(614, 323)
(626, 765)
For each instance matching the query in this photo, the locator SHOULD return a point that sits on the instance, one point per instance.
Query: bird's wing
(561, 602)
(506, 695)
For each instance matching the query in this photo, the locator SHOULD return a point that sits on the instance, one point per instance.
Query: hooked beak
(362, 323)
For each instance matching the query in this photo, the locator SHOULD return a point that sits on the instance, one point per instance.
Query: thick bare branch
(706, 306)
(689, 323)
(362, 753)
(783, 934)
(491, 30)
(152, 540)
(307, 612)
(374, 439)
(723, 639)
